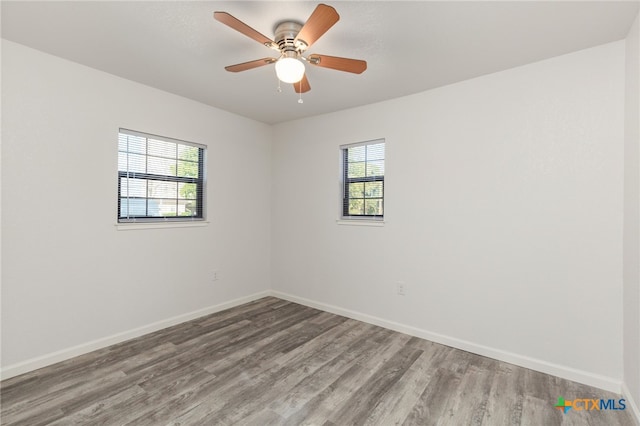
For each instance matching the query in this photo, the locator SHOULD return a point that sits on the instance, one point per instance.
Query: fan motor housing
(285, 35)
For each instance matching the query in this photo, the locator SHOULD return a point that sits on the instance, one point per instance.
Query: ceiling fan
(291, 40)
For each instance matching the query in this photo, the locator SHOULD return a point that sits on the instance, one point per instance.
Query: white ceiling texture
(412, 46)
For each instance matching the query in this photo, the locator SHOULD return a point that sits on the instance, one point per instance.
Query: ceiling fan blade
(240, 26)
(250, 65)
(355, 66)
(302, 86)
(322, 18)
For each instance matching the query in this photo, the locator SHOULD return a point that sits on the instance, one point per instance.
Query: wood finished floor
(273, 362)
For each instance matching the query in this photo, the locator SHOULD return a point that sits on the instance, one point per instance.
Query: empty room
(299, 213)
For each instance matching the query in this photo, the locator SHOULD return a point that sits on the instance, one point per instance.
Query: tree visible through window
(159, 178)
(363, 180)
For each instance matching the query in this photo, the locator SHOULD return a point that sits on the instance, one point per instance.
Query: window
(159, 179)
(363, 180)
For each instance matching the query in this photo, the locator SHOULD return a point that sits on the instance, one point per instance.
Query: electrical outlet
(400, 288)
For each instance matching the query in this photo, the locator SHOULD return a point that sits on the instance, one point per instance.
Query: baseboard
(598, 381)
(631, 403)
(62, 355)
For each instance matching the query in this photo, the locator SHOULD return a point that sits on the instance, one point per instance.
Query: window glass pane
(187, 169)
(375, 152)
(375, 168)
(161, 189)
(122, 161)
(132, 143)
(356, 190)
(122, 142)
(187, 190)
(356, 206)
(133, 207)
(162, 148)
(161, 166)
(133, 162)
(356, 170)
(356, 154)
(137, 163)
(187, 208)
(186, 152)
(133, 187)
(373, 189)
(163, 207)
(373, 207)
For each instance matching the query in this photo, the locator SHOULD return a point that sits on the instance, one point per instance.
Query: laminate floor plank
(260, 356)
(177, 399)
(431, 405)
(257, 318)
(274, 362)
(263, 418)
(57, 398)
(358, 406)
(272, 379)
(244, 312)
(335, 396)
(231, 382)
(354, 350)
(105, 389)
(535, 411)
(470, 405)
(506, 397)
(404, 394)
(40, 418)
(99, 412)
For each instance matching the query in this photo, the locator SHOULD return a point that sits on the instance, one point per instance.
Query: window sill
(360, 222)
(158, 225)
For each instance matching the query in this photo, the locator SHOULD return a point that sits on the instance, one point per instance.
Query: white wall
(503, 208)
(631, 299)
(69, 277)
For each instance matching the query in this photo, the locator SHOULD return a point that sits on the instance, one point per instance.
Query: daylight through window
(159, 178)
(363, 180)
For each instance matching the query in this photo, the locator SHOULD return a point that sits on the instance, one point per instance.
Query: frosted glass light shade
(289, 70)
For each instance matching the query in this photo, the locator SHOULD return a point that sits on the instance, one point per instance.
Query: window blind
(159, 178)
(363, 179)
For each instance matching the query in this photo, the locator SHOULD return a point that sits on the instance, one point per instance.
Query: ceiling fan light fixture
(289, 70)
(291, 40)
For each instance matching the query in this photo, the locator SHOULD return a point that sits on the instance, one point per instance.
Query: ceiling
(178, 47)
